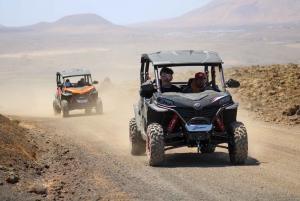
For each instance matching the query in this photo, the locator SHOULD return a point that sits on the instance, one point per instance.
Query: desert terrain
(87, 157)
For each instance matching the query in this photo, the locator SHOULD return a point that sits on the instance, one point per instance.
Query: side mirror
(231, 83)
(95, 82)
(147, 86)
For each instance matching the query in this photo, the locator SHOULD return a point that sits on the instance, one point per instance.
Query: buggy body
(205, 120)
(76, 95)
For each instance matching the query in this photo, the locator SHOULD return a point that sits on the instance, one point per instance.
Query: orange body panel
(77, 91)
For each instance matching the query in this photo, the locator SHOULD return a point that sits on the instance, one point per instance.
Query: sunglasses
(164, 77)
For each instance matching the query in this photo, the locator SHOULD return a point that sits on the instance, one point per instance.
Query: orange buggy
(75, 90)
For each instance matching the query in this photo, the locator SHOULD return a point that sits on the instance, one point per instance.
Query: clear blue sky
(27, 12)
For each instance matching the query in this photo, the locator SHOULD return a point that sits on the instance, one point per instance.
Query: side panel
(157, 109)
(229, 115)
(137, 115)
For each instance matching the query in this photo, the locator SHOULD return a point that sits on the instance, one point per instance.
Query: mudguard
(233, 106)
(156, 108)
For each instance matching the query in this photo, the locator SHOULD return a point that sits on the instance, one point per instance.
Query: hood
(79, 90)
(205, 98)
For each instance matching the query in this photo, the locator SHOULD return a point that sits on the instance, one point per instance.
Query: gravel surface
(88, 158)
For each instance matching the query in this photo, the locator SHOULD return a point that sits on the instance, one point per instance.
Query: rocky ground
(38, 163)
(272, 93)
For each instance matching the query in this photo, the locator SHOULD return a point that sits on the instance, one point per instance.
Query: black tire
(99, 106)
(65, 108)
(137, 144)
(238, 144)
(56, 108)
(208, 149)
(155, 145)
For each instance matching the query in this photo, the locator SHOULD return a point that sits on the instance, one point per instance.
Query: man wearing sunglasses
(166, 76)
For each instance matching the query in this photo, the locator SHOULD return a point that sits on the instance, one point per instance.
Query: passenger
(198, 84)
(68, 84)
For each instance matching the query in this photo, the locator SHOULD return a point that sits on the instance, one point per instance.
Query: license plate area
(82, 101)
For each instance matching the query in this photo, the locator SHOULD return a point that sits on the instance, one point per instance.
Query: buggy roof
(74, 72)
(183, 57)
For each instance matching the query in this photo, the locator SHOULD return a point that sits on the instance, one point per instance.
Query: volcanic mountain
(74, 24)
(234, 13)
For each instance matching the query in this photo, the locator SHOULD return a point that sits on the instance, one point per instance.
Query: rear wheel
(137, 144)
(99, 106)
(56, 108)
(155, 144)
(65, 108)
(238, 143)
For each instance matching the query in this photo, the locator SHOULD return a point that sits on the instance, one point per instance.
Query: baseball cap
(200, 75)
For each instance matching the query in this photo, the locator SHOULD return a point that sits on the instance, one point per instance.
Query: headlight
(222, 99)
(165, 102)
(67, 92)
(93, 90)
(225, 100)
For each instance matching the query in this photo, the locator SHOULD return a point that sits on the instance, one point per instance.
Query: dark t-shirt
(173, 88)
(149, 93)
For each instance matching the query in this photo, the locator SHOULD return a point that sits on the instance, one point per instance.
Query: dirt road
(104, 162)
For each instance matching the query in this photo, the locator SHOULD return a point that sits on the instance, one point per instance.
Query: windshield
(182, 74)
(77, 81)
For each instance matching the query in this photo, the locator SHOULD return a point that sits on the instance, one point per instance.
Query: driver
(199, 84)
(166, 76)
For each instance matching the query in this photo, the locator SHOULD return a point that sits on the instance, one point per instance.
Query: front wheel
(137, 144)
(155, 145)
(65, 108)
(238, 143)
(56, 108)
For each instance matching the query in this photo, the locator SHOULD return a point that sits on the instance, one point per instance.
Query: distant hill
(234, 12)
(73, 24)
(82, 20)
(78, 20)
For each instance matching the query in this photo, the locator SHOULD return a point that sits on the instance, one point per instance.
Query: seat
(190, 82)
(188, 85)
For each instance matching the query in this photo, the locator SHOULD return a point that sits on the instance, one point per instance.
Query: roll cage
(209, 70)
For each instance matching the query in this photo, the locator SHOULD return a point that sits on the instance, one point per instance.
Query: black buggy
(205, 120)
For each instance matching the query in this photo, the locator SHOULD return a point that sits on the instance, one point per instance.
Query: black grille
(81, 96)
(198, 121)
(209, 112)
(188, 113)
